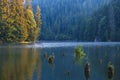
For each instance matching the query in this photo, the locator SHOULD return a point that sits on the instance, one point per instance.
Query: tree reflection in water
(20, 65)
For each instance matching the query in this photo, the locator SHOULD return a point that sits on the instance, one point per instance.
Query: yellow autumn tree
(30, 21)
(17, 22)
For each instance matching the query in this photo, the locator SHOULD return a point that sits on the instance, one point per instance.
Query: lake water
(28, 62)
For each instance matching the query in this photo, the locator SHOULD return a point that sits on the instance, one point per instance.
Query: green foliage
(31, 24)
(79, 52)
(38, 22)
(17, 23)
(79, 55)
(9, 33)
(81, 21)
(38, 17)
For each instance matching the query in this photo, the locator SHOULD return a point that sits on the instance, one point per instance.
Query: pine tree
(38, 22)
(0, 10)
(38, 17)
(31, 23)
(21, 19)
(16, 20)
(4, 9)
(17, 23)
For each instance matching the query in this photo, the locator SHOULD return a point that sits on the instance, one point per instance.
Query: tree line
(80, 20)
(103, 24)
(18, 22)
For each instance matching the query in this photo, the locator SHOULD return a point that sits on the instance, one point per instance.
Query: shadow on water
(19, 64)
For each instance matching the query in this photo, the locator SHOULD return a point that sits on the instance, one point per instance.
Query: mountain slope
(74, 19)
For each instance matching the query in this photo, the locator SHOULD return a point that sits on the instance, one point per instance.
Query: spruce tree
(17, 23)
(38, 22)
(38, 17)
(31, 23)
(4, 9)
(21, 19)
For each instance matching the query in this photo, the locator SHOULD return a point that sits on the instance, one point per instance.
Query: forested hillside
(76, 20)
(80, 20)
(18, 22)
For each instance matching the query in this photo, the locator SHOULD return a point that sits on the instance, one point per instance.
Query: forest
(79, 20)
(18, 23)
(59, 20)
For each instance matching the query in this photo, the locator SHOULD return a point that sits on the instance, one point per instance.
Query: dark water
(27, 62)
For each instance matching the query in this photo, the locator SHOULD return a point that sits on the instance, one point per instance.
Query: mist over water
(59, 44)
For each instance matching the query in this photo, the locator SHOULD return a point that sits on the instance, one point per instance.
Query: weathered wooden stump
(45, 55)
(87, 71)
(110, 71)
(100, 61)
(63, 55)
(67, 73)
(51, 59)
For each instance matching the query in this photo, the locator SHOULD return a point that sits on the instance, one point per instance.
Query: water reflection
(99, 57)
(19, 64)
(80, 60)
(27, 63)
(87, 71)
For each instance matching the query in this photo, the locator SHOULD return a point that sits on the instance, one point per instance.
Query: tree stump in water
(87, 71)
(45, 55)
(67, 73)
(50, 59)
(63, 55)
(100, 61)
(110, 71)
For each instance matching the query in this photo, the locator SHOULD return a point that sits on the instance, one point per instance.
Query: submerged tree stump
(63, 55)
(110, 71)
(100, 61)
(51, 59)
(87, 71)
(67, 73)
(45, 55)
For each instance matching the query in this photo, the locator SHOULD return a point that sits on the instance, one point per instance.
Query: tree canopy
(18, 22)
(80, 20)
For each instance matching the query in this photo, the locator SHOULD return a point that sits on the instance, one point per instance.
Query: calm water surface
(27, 62)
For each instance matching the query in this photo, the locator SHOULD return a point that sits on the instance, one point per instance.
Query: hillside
(81, 20)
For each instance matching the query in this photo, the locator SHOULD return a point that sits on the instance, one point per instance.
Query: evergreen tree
(112, 21)
(38, 22)
(0, 10)
(17, 23)
(31, 23)
(4, 9)
(21, 19)
(38, 17)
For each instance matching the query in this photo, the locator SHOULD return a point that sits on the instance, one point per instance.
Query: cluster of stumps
(110, 71)
(86, 67)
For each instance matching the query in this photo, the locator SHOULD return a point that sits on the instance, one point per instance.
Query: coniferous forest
(18, 23)
(59, 39)
(80, 20)
(73, 20)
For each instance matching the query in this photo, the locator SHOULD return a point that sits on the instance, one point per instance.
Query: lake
(30, 61)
